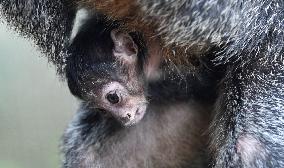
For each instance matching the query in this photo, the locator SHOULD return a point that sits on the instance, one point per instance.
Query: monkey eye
(113, 98)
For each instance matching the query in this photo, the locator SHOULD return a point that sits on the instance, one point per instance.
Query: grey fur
(246, 26)
(168, 136)
(48, 23)
(251, 37)
(177, 129)
(171, 134)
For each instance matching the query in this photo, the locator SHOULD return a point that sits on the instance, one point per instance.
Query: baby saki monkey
(116, 126)
(246, 129)
(103, 70)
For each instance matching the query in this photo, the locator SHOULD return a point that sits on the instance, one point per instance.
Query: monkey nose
(127, 118)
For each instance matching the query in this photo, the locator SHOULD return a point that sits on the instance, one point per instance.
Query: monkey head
(122, 94)
(103, 70)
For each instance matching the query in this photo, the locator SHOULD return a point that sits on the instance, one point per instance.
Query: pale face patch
(126, 108)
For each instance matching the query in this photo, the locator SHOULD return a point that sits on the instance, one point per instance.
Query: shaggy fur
(48, 23)
(172, 132)
(168, 136)
(250, 35)
(249, 110)
(250, 105)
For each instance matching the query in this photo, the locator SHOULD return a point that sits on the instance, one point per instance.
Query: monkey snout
(137, 116)
(126, 119)
(133, 115)
(130, 118)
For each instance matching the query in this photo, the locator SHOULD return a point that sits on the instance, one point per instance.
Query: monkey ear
(125, 48)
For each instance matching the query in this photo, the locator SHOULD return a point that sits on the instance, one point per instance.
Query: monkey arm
(46, 22)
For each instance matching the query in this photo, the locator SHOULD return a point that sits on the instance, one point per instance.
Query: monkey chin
(133, 117)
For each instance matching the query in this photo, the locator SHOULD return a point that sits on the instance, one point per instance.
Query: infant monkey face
(124, 100)
(103, 70)
(117, 101)
(117, 87)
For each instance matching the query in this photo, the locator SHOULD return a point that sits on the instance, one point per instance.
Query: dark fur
(167, 136)
(248, 127)
(48, 23)
(174, 133)
(171, 134)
